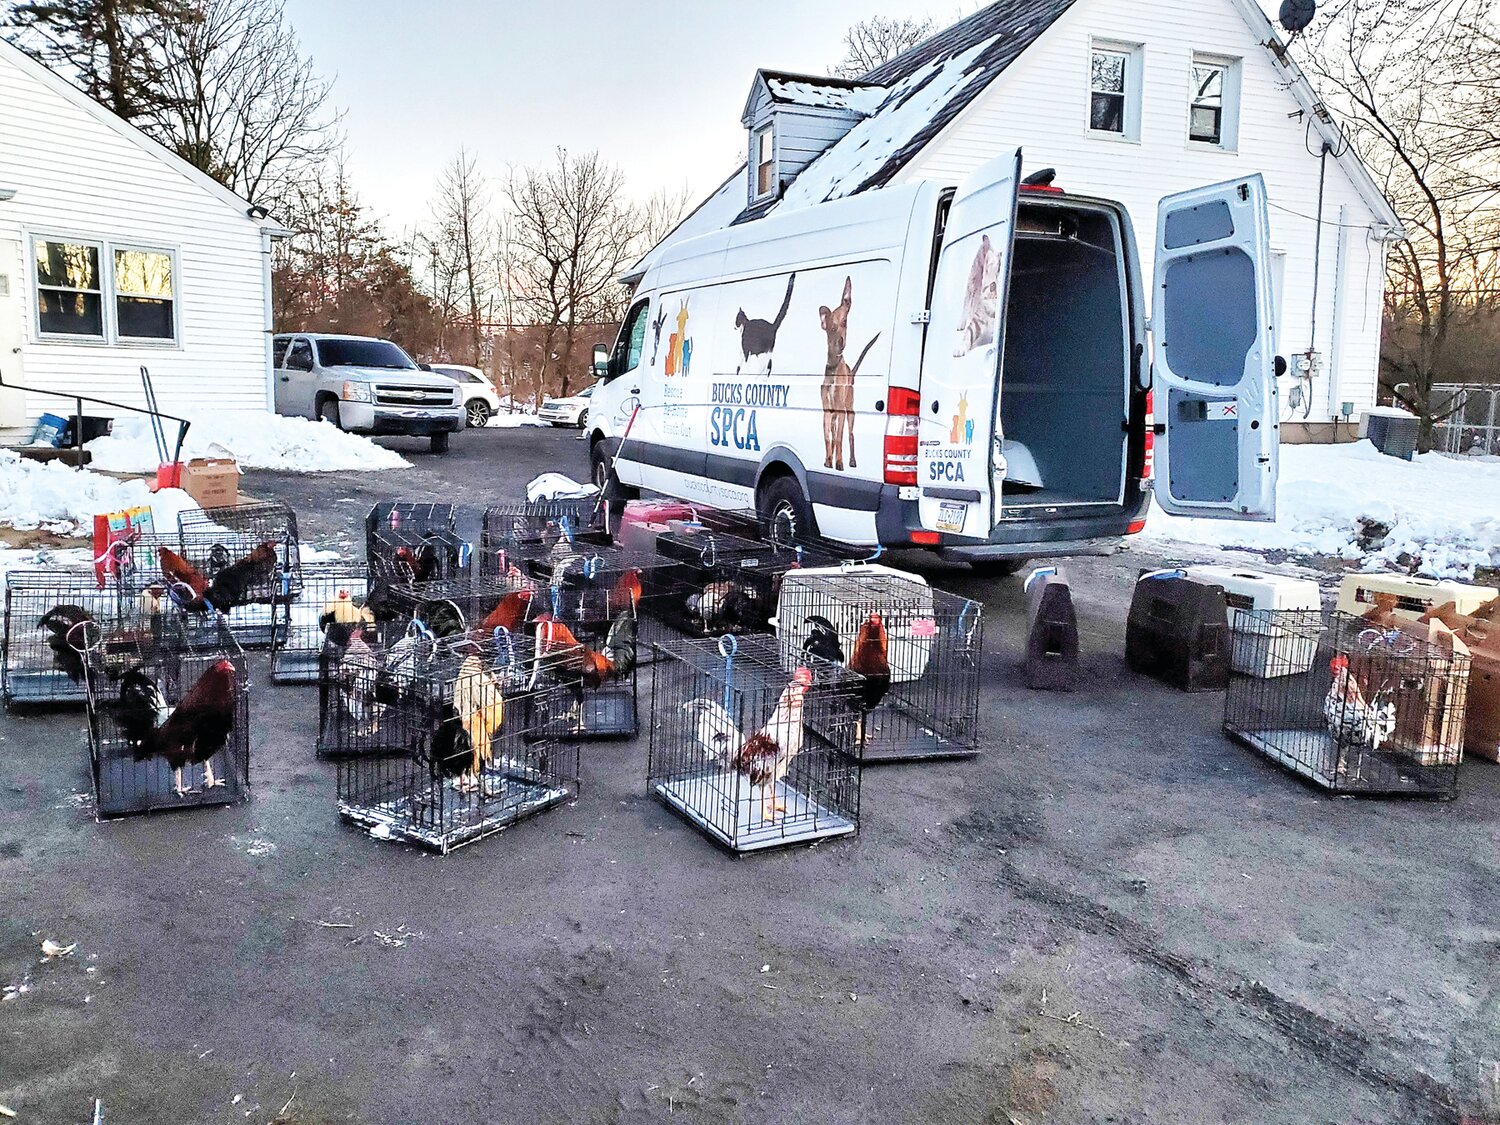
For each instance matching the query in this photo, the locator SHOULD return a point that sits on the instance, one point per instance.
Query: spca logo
(962, 432)
(680, 345)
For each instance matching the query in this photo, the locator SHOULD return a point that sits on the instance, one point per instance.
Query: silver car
(364, 385)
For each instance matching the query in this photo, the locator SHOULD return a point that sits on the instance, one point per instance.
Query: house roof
(24, 62)
(821, 92)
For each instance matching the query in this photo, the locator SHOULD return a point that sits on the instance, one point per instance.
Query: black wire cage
(474, 605)
(918, 648)
(480, 752)
(367, 676)
(331, 593)
(169, 720)
(52, 616)
(412, 543)
(596, 665)
(756, 752)
(243, 527)
(588, 589)
(1352, 707)
(515, 533)
(204, 575)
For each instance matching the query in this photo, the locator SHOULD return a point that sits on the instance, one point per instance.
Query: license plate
(951, 515)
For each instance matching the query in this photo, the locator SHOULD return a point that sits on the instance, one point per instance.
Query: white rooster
(1352, 720)
(766, 756)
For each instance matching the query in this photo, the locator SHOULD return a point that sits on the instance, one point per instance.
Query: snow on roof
(868, 148)
(863, 100)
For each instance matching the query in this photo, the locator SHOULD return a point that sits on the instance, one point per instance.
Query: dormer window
(765, 162)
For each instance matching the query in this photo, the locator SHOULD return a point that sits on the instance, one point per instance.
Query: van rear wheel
(786, 518)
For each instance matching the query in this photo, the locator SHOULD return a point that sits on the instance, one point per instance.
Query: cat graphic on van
(758, 337)
(656, 326)
(838, 381)
(980, 311)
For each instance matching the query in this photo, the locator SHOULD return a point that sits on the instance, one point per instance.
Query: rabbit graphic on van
(679, 347)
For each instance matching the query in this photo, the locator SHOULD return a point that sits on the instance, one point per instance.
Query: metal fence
(1471, 419)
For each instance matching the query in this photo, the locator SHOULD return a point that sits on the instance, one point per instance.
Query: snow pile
(909, 107)
(555, 486)
(1435, 515)
(43, 559)
(55, 498)
(255, 439)
(513, 421)
(859, 99)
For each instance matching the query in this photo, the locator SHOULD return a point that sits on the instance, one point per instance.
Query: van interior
(1066, 382)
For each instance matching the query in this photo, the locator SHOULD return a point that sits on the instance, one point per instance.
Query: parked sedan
(571, 411)
(481, 400)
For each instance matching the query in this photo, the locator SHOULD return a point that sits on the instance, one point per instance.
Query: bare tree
(112, 49)
(878, 40)
(243, 103)
(460, 247)
(661, 213)
(573, 231)
(1420, 85)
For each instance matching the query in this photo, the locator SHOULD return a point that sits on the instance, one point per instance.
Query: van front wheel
(786, 518)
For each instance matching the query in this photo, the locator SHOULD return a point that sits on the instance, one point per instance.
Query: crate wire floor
(34, 687)
(803, 821)
(509, 791)
(147, 786)
(1377, 772)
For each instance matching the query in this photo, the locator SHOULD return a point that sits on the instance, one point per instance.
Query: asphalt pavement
(1114, 914)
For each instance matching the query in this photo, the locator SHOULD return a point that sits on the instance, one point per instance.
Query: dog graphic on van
(758, 337)
(976, 327)
(838, 382)
(679, 347)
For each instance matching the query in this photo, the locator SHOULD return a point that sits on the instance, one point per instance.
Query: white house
(1126, 101)
(116, 254)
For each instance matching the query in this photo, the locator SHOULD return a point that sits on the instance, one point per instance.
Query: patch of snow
(53, 497)
(1441, 515)
(43, 558)
(513, 421)
(556, 486)
(310, 554)
(255, 439)
(908, 108)
(863, 100)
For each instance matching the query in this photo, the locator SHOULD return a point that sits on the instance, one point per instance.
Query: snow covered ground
(1437, 515)
(512, 421)
(62, 500)
(257, 440)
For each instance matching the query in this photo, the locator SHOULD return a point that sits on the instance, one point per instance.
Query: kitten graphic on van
(758, 337)
(981, 300)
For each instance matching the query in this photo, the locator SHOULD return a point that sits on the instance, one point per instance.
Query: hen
(1352, 720)
(766, 756)
(66, 627)
(870, 660)
(196, 730)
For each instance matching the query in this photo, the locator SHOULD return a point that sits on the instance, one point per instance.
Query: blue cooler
(49, 430)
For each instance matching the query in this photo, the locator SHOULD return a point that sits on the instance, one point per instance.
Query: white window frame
(114, 297)
(109, 314)
(1135, 68)
(1229, 116)
(35, 290)
(767, 130)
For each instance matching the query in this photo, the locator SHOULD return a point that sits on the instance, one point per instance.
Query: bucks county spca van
(964, 369)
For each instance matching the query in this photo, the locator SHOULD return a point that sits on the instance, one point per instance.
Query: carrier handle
(728, 646)
(710, 554)
(504, 639)
(465, 552)
(850, 564)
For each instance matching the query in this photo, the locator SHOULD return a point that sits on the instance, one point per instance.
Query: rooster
(359, 676)
(397, 678)
(823, 640)
(870, 660)
(480, 704)
(766, 756)
(1353, 721)
(67, 631)
(197, 728)
(233, 586)
(443, 618)
(627, 591)
(727, 607)
(580, 667)
(509, 614)
(343, 609)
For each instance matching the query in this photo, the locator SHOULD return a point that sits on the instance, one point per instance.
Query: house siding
(76, 175)
(1040, 104)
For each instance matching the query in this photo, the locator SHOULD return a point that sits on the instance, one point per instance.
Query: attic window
(765, 162)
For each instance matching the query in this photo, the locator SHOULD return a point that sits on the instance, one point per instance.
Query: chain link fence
(1471, 420)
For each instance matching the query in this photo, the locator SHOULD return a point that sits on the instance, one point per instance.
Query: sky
(656, 87)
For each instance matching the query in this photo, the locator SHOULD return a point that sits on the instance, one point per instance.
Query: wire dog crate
(409, 543)
(920, 698)
(589, 590)
(367, 679)
(481, 752)
(1353, 708)
(757, 754)
(331, 593)
(51, 618)
(514, 533)
(473, 605)
(169, 721)
(243, 527)
(596, 665)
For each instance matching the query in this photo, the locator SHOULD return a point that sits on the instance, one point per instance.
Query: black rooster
(65, 626)
(823, 640)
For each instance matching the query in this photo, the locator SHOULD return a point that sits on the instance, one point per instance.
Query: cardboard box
(212, 481)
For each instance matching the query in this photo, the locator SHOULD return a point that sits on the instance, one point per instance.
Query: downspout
(1336, 339)
(268, 314)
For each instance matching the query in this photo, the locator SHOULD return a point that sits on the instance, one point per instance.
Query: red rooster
(574, 660)
(234, 586)
(766, 756)
(509, 614)
(869, 659)
(196, 730)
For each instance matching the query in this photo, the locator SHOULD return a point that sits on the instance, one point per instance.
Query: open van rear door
(1213, 355)
(960, 467)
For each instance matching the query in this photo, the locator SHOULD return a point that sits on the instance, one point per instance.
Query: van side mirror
(601, 361)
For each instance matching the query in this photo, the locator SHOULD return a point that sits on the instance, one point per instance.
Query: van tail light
(926, 538)
(1148, 463)
(902, 411)
(1136, 528)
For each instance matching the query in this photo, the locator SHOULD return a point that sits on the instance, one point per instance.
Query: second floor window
(1206, 114)
(1109, 91)
(765, 162)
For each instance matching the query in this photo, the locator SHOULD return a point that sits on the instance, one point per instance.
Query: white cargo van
(964, 369)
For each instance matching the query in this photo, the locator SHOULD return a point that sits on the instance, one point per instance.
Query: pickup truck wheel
(786, 518)
(440, 443)
(328, 411)
(478, 414)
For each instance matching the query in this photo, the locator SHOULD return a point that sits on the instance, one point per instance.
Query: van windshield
(363, 353)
